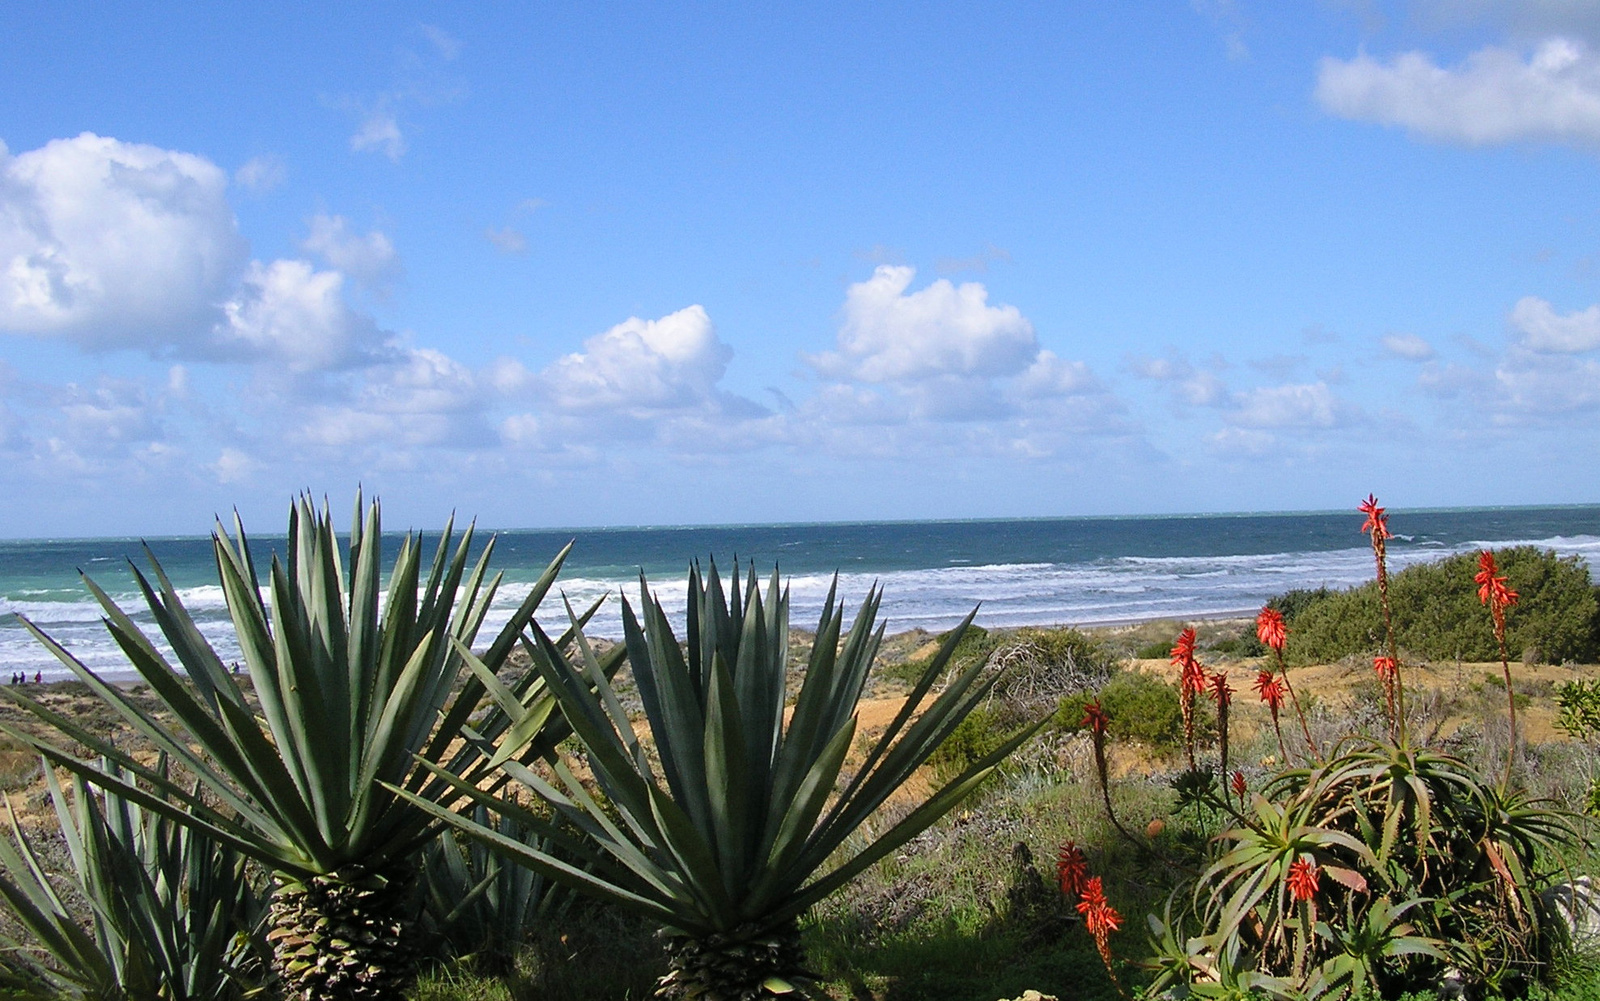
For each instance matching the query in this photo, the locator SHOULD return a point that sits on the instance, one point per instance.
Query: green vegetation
(734, 840)
(1437, 614)
(170, 910)
(350, 701)
(723, 840)
(1142, 708)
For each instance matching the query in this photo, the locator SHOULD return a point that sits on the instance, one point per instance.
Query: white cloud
(1546, 331)
(114, 244)
(1293, 406)
(1408, 346)
(942, 330)
(369, 259)
(1495, 96)
(506, 240)
(1534, 386)
(449, 46)
(288, 312)
(379, 132)
(643, 365)
(1195, 387)
(421, 398)
(234, 466)
(1050, 375)
(261, 174)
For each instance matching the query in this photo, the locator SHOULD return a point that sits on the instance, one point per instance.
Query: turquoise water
(1023, 572)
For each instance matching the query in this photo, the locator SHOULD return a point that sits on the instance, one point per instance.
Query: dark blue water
(1034, 571)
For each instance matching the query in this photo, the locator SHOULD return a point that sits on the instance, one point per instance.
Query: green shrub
(980, 733)
(1138, 706)
(1159, 650)
(1437, 614)
(976, 643)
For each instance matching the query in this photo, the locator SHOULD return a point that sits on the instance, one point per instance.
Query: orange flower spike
(1270, 629)
(1302, 879)
(1385, 667)
(1220, 689)
(1239, 786)
(1377, 521)
(1072, 869)
(1094, 717)
(1099, 917)
(1183, 649)
(1492, 589)
(1270, 689)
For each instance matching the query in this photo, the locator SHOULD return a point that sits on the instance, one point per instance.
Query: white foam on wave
(1100, 591)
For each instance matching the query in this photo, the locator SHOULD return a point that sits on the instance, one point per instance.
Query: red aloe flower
(1183, 649)
(1385, 666)
(1191, 681)
(1377, 521)
(1270, 690)
(1094, 717)
(1302, 879)
(1492, 589)
(1098, 914)
(1100, 919)
(1072, 870)
(1220, 689)
(1238, 784)
(1270, 629)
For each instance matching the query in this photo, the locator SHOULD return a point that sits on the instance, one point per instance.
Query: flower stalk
(1377, 526)
(1497, 596)
(1191, 682)
(1101, 919)
(1274, 633)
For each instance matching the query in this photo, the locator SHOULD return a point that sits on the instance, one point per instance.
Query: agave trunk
(745, 965)
(333, 938)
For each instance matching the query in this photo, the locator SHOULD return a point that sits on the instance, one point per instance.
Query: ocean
(1041, 571)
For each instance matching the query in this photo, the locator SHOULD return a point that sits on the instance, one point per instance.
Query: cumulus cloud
(1050, 375)
(1495, 96)
(261, 174)
(422, 398)
(1544, 330)
(379, 132)
(1196, 387)
(942, 330)
(1293, 406)
(643, 365)
(369, 259)
(1408, 346)
(291, 313)
(506, 240)
(114, 244)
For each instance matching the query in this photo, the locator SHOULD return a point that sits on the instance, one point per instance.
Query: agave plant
(482, 905)
(352, 696)
(726, 842)
(172, 915)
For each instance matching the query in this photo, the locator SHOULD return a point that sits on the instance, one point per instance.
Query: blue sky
(641, 264)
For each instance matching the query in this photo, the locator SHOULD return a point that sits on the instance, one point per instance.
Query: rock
(1576, 908)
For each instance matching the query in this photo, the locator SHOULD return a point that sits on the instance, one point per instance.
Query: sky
(646, 264)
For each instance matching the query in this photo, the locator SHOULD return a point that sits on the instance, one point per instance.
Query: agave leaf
(348, 696)
(730, 840)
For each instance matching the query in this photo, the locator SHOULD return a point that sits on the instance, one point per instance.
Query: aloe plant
(750, 817)
(171, 913)
(354, 690)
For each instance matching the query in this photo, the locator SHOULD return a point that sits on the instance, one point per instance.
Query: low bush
(1140, 707)
(1437, 614)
